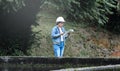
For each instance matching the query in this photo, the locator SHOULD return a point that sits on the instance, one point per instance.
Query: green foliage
(105, 8)
(13, 47)
(11, 5)
(95, 12)
(15, 25)
(87, 10)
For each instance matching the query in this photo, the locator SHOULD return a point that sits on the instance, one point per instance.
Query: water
(110, 70)
(20, 69)
(42, 67)
(39, 69)
(24, 69)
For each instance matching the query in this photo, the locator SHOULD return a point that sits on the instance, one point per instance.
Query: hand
(61, 33)
(69, 33)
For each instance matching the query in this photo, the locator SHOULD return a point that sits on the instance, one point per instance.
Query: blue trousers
(58, 49)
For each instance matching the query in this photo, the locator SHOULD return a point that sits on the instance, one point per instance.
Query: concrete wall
(52, 60)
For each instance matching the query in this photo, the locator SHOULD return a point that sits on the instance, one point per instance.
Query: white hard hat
(60, 19)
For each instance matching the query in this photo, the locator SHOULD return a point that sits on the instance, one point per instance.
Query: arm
(53, 33)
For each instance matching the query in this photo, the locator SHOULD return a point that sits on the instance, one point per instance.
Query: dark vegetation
(15, 28)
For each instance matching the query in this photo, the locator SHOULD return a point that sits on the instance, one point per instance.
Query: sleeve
(53, 33)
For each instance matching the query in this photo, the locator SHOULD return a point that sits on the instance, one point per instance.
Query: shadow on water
(15, 29)
(22, 69)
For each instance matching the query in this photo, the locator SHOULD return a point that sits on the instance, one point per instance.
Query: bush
(15, 25)
(95, 12)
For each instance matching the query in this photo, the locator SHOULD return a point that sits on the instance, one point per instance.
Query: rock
(116, 54)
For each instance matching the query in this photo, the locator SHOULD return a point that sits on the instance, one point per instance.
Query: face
(61, 24)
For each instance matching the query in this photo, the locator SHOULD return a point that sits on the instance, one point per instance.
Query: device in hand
(70, 30)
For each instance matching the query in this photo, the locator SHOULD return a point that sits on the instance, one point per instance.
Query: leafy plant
(11, 5)
(95, 12)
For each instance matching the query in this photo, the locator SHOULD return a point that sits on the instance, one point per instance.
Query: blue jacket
(55, 34)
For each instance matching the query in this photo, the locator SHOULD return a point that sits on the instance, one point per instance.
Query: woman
(58, 37)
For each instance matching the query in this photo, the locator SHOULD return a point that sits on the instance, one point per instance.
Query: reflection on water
(109, 70)
(21, 69)
(39, 69)
(24, 69)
